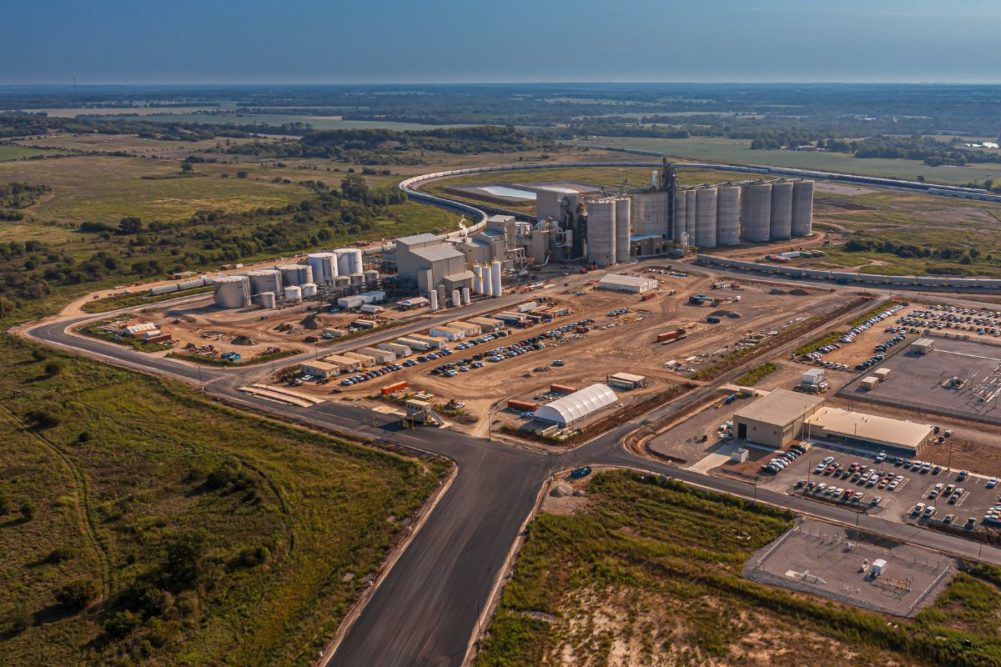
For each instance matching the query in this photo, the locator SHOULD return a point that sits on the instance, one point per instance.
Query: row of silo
(756, 212)
(780, 225)
(705, 217)
(727, 215)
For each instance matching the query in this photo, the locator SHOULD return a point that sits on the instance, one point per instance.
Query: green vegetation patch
(142, 298)
(163, 527)
(756, 375)
(817, 343)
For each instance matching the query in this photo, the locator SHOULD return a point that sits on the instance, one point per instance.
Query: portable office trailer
(382, 356)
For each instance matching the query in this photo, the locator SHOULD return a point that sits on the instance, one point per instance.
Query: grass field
(277, 119)
(649, 573)
(738, 151)
(13, 152)
(279, 527)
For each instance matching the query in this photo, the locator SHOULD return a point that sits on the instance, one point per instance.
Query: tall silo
(727, 215)
(488, 283)
(231, 291)
(601, 232)
(690, 208)
(678, 216)
(324, 265)
(356, 261)
(756, 212)
(802, 208)
(478, 279)
(495, 276)
(265, 280)
(781, 222)
(705, 217)
(623, 228)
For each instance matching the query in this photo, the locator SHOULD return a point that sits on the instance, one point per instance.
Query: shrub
(59, 555)
(77, 594)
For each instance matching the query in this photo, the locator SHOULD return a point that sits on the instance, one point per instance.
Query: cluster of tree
(931, 151)
(16, 195)
(32, 124)
(909, 250)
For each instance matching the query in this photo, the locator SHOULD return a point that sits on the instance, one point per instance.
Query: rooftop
(625, 279)
(417, 239)
(779, 407)
(437, 252)
(873, 428)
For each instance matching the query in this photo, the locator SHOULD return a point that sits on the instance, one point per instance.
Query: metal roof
(627, 377)
(577, 405)
(871, 428)
(437, 253)
(780, 407)
(627, 280)
(418, 238)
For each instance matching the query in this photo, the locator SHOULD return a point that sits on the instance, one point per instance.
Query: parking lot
(891, 487)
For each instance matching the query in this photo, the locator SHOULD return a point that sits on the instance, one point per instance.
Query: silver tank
(756, 212)
(780, 227)
(802, 208)
(231, 291)
(623, 227)
(705, 217)
(296, 274)
(727, 215)
(265, 280)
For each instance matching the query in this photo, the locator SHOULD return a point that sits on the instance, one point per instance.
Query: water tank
(705, 217)
(371, 276)
(802, 208)
(623, 228)
(478, 279)
(756, 212)
(434, 300)
(342, 281)
(293, 293)
(601, 234)
(488, 283)
(690, 214)
(466, 297)
(296, 274)
(324, 265)
(456, 298)
(781, 222)
(309, 290)
(231, 291)
(678, 216)
(267, 299)
(727, 215)
(349, 260)
(495, 277)
(265, 280)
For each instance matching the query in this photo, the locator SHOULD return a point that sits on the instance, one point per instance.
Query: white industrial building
(621, 282)
(576, 406)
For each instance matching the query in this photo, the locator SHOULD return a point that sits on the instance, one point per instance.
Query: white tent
(576, 406)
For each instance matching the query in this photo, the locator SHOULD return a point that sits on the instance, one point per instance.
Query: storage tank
(356, 278)
(466, 296)
(371, 276)
(495, 277)
(478, 279)
(781, 221)
(341, 282)
(434, 300)
(349, 260)
(267, 299)
(293, 293)
(601, 234)
(309, 290)
(802, 208)
(756, 212)
(727, 215)
(690, 207)
(324, 266)
(678, 217)
(623, 228)
(296, 274)
(488, 283)
(456, 298)
(265, 280)
(231, 291)
(705, 217)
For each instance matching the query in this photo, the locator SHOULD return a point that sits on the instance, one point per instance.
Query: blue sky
(357, 41)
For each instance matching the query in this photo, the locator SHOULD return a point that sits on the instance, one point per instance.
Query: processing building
(775, 420)
(429, 264)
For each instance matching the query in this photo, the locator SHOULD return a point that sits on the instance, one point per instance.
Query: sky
(444, 41)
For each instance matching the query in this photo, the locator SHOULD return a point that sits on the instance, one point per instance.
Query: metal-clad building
(705, 217)
(601, 234)
(623, 228)
(780, 227)
(756, 212)
(802, 208)
(728, 215)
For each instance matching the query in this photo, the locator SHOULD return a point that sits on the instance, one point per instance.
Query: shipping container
(522, 406)
(562, 389)
(670, 336)
(393, 388)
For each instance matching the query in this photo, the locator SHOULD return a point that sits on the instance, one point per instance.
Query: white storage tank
(309, 290)
(349, 260)
(267, 299)
(456, 298)
(371, 277)
(293, 293)
(296, 274)
(495, 277)
(802, 208)
(601, 236)
(727, 215)
(756, 212)
(781, 213)
(705, 217)
(231, 291)
(478, 279)
(690, 205)
(466, 297)
(434, 300)
(488, 283)
(265, 280)
(324, 266)
(357, 278)
(623, 228)
(342, 281)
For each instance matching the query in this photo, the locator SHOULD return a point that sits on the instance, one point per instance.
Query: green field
(277, 119)
(12, 152)
(237, 542)
(738, 151)
(650, 573)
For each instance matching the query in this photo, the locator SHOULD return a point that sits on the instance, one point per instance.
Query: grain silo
(265, 280)
(678, 217)
(601, 232)
(495, 276)
(802, 208)
(690, 206)
(756, 212)
(296, 274)
(705, 217)
(781, 220)
(488, 283)
(623, 228)
(727, 215)
(324, 265)
(231, 291)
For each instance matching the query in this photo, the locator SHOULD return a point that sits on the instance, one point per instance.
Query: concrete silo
(623, 228)
(265, 280)
(727, 215)
(324, 265)
(495, 277)
(231, 291)
(678, 216)
(478, 279)
(802, 208)
(308, 290)
(690, 207)
(705, 217)
(601, 232)
(756, 212)
(650, 214)
(488, 283)
(781, 222)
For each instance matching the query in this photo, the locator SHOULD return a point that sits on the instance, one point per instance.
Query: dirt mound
(725, 313)
(798, 292)
(312, 322)
(561, 491)
(776, 291)
(243, 340)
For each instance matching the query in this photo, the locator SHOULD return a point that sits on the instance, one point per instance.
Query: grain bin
(601, 234)
(266, 299)
(296, 274)
(727, 215)
(623, 228)
(756, 212)
(324, 265)
(231, 291)
(780, 226)
(265, 280)
(705, 217)
(802, 208)
(293, 293)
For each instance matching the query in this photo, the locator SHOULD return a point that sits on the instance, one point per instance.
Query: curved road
(426, 608)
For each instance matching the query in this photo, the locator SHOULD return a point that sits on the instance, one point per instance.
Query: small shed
(869, 382)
